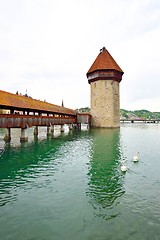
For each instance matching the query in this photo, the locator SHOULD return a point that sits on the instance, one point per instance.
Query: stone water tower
(104, 77)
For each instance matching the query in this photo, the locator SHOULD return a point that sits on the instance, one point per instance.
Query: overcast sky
(47, 47)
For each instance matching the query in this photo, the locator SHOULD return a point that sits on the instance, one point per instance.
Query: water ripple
(72, 187)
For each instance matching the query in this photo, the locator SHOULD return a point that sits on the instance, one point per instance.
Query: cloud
(48, 46)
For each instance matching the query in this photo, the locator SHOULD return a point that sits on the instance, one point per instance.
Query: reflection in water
(72, 187)
(105, 179)
(22, 164)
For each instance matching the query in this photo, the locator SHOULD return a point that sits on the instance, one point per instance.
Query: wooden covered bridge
(24, 112)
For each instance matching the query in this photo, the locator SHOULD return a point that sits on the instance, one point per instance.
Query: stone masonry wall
(105, 107)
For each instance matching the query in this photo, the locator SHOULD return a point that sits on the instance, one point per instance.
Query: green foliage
(85, 109)
(144, 114)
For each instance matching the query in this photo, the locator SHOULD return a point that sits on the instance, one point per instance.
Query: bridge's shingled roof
(19, 102)
(104, 61)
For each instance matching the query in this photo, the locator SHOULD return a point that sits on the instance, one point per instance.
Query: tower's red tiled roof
(104, 61)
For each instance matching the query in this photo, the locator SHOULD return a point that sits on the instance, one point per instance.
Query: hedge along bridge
(24, 112)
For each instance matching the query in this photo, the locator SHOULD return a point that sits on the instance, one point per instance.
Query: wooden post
(48, 131)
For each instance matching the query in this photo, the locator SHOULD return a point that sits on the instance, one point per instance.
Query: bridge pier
(88, 126)
(49, 131)
(23, 136)
(62, 128)
(52, 129)
(35, 133)
(7, 136)
(78, 126)
(71, 127)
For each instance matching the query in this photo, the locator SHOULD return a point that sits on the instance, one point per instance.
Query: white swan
(136, 157)
(123, 168)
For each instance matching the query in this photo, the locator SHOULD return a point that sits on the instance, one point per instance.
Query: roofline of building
(30, 104)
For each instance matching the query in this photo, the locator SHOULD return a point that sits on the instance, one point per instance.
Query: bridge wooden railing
(24, 121)
(9, 121)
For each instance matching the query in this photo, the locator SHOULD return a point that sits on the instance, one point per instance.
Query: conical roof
(104, 61)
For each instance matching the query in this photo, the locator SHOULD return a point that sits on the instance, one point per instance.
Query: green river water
(70, 186)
